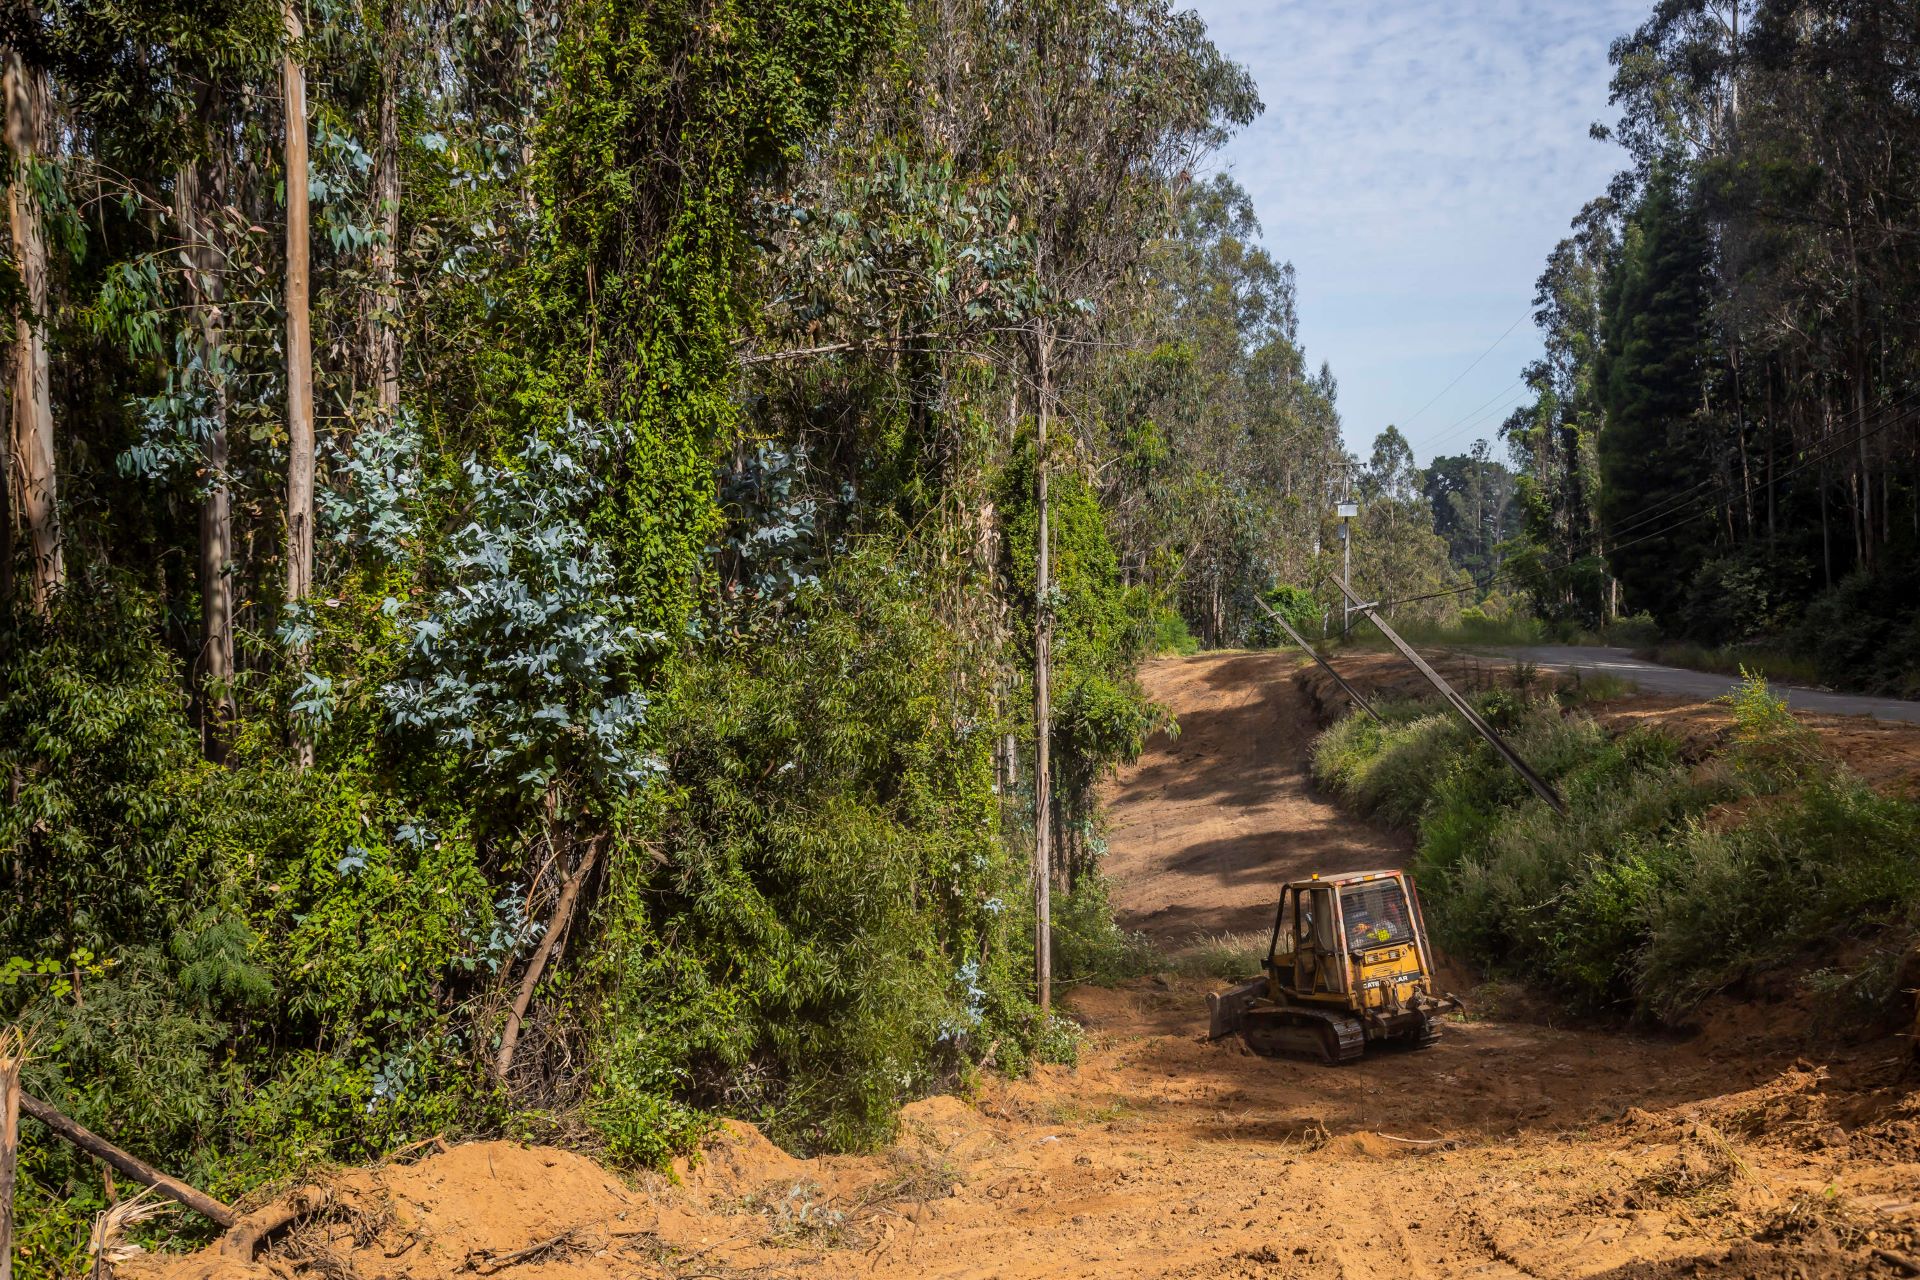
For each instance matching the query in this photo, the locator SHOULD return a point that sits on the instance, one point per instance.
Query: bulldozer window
(1376, 913)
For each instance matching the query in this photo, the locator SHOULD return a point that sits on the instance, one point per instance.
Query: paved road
(1654, 678)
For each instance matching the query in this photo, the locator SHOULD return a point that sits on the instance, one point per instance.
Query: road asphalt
(1654, 678)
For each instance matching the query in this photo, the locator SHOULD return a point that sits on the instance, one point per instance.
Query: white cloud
(1416, 163)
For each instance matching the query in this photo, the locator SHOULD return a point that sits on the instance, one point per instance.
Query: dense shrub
(232, 971)
(1865, 633)
(828, 923)
(1633, 900)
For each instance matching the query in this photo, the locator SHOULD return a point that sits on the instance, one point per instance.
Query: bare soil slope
(1510, 1149)
(1215, 816)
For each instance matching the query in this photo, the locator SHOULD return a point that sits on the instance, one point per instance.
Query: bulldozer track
(1335, 1037)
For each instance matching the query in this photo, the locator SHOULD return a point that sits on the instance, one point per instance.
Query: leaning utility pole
(1542, 788)
(1353, 694)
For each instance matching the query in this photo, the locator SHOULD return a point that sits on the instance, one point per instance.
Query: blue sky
(1416, 162)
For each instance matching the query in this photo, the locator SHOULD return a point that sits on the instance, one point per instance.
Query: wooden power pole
(300, 437)
(1042, 701)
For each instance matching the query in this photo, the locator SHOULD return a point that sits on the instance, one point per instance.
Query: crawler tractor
(1348, 964)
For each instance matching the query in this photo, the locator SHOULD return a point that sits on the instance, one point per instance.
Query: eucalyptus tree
(37, 497)
(1785, 132)
(138, 82)
(1096, 184)
(1220, 443)
(301, 444)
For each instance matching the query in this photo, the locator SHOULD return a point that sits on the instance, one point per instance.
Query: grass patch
(1226, 957)
(1088, 947)
(1581, 688)
(1474, 628)
(1733, 659)
(1632, 901)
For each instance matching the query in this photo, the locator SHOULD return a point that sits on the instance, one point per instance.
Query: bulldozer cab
(1323, 927)
(1348, 963)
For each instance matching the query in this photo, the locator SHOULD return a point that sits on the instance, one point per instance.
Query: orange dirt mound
(737, 1162)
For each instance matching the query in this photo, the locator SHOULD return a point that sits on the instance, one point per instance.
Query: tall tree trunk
(36, 488)
(1826, 530)
(383, 300)
(1865, 487)
(1042, 699)
(6, 473)
(300, 439)
(1772, 431)
(206, 276)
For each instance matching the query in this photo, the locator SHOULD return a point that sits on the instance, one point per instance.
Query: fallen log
(132, 1166)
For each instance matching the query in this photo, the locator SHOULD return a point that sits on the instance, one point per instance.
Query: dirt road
(1209, 822)
(1510, 1149)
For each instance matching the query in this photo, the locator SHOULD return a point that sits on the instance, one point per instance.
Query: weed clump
(1639, 899)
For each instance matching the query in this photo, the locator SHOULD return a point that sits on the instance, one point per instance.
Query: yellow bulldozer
(1347, 965)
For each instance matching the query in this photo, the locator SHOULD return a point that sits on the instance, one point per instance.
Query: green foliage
(1170, 634)
(1633, 901)
(1864, 633)
(752, 629)
(1472, 497)
(1771, 750)
(1096, 620)
(828, 925)
(1088, 946)
(1694, 346)
(1476, 625)
(251, 970)
(1296, 604)
(1834, 863)
(633, 302)
(1100, 631)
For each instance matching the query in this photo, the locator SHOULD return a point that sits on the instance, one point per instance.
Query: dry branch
(132, 1166)
(556, 925)
(487, 1263)
(13, 1054)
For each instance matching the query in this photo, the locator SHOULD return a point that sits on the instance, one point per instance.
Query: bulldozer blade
(1227, 1010)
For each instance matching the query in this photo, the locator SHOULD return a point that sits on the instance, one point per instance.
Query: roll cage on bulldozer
(1347, 964)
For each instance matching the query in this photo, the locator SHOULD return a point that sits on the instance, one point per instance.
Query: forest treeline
(1722, 432)
(522, 554)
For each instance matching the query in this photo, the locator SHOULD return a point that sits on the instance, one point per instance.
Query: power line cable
(1647, 515)
(1474, 416)
(1464, 372)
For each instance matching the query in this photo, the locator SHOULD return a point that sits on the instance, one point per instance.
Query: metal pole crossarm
(1544, 789)
(1351, 692)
